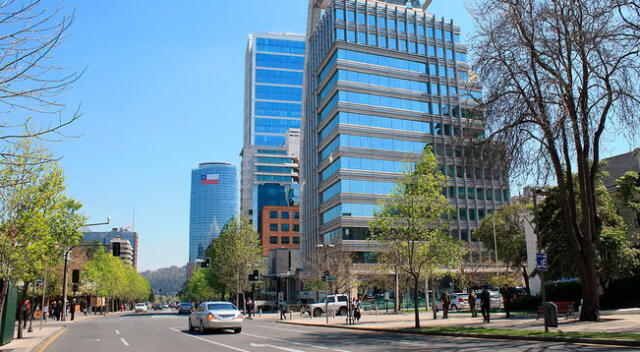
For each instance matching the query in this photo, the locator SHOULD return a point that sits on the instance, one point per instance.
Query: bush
(526, 303)
(565, 291)
(622, 293)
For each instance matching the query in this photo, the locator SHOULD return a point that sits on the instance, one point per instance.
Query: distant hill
(170, 279)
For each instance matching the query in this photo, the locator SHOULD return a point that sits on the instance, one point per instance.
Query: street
(159, 332)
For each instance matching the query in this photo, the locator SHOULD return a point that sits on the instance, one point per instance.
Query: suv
(336, 303)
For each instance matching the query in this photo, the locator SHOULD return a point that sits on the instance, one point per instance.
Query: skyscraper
(383, 81)
(214, 201)
(274, 67)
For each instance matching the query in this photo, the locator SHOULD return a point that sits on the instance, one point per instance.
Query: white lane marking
(98, 340)
(283, 329)
(296, 343)
(210, 341)
(253, 344)
(117, 332)
(124, 341)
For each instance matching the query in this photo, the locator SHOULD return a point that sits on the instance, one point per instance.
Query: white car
(335, 303)
(141, 308)
(216, 315)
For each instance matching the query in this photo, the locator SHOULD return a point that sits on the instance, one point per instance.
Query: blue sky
(162, 92)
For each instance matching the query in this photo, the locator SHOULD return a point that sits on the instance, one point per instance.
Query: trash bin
(8, 318)
(550, 314)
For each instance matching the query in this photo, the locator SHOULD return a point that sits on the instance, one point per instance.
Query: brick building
(280, 228)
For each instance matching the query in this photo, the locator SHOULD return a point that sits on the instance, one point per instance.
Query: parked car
(141, 308)
(185, 308)
(216, 315)
(335, 303)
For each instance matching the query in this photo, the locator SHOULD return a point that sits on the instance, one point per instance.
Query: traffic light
(115, 249)
(75, 276)
(255, 276)
(206, 262)
(75, 288)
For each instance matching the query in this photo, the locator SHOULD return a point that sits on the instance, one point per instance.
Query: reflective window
(382, 22)
(266, 108)
(375, 165)
(392, 24)
(382, 41)
(402, 26)
(280, 46)
(280, 169)
(461, 56)
(439, 34)
(274, 178)
(279, 61)
(339, 14)
(273, 227)
(274, 141)
(296, 239)
(420, 30)
(351, 36)
(326, 69)
(273, 160)
(273, 240)
(362, 38)
(456, 38)
(285, 228)
(351, 16)
(330, 148)
(403, 45)
(373, 39)
(393, 43)
(367, 142)
(328, 107)
(371, 20)
(349, 209)
(285, 239)
(448, 36)
(382, 81)
(280, 77)
(273, 215)
(376, 121)
(275, 125)
(361, 17)
(383, 101)
(340, 34)
(278, 93)
(430, 32)
(328, 87)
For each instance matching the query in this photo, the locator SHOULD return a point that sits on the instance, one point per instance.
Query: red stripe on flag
(208, 182)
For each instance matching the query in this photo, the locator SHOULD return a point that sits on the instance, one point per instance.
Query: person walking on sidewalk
(506, 300)
(249, 307)
(485, 304)
(45, 312)
(472, 303)
(283, 309)
(446, 302)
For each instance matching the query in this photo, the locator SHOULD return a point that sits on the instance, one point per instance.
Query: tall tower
(274, 65)
(382, 81)
(214, 201)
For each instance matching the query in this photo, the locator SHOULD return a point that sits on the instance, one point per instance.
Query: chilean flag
(209, 179)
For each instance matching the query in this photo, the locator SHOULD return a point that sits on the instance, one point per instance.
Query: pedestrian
(26, 309)
(506, 300)
(472, 303)
(58, 310)
(356, 310)
(446, 302)
(485, 304)
(45, 312)
(249, 307)
(283, 309)
(52, 312)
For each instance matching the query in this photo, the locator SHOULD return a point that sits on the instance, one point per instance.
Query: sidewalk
(31, 340)
(620, 321)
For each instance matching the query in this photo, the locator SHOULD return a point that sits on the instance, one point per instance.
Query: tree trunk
(4, 292)
(525, 275)
(591, 301)
(433, 298)
(23, 296)
(416, 301)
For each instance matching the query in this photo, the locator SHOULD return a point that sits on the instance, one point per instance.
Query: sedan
(216, 315)
(185, 308)
(141, 308)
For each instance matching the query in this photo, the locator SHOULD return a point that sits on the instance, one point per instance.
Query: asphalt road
(162, 332)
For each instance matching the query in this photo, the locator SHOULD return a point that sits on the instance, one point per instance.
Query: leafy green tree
(616, 256)
(410, 224)
(199, 287)
(234, 255)
(628, 190)
(510, 238)
(36, 219)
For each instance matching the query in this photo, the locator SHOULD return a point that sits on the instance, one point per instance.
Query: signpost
(542, 265)
(541, 262)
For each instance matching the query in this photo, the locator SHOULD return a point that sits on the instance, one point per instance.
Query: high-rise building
(123, 234)
(274, 67)
(382, 81)
(214, 201)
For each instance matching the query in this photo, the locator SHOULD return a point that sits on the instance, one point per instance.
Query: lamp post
(63, 317)
(326, 302)
(535, 192)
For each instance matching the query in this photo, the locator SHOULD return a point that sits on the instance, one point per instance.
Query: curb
(43, 340)
(626, 343)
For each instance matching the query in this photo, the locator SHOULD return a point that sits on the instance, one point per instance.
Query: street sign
(331, 278)
(541, 262)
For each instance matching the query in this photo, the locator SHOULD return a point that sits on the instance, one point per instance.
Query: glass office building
(382, 82)
(274, 66)
(214, 201)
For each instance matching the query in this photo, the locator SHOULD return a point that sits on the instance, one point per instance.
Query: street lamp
(535, 192)
(63, 317)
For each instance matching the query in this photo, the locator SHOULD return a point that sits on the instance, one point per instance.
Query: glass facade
(274, 71)
(384, 81)
(214, 201)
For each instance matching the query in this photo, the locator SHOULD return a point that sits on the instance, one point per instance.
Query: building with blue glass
(214, 201)
(382, 81)
(274, 66)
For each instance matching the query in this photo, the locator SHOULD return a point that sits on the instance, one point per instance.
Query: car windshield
(221, 306)
(140, 304)
(185, 305)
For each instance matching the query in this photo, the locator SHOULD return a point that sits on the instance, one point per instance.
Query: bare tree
(556, 74)
(30, 80)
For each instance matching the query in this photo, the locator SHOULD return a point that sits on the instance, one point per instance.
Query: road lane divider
(117, 332)
(209, 341)
(51, 339)
(124, 341)
(253, 344)
(297, 343)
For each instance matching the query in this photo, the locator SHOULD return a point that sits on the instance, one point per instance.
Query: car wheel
(237, 331)
(190, 325)
(342, 311)
(454, 307)
(317, 312)
(202, 330)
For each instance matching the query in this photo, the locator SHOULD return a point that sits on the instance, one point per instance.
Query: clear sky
(162, 92)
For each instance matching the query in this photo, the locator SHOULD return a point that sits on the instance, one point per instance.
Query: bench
(566, 308)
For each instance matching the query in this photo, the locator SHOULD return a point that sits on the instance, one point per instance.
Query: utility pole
(65, 274)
